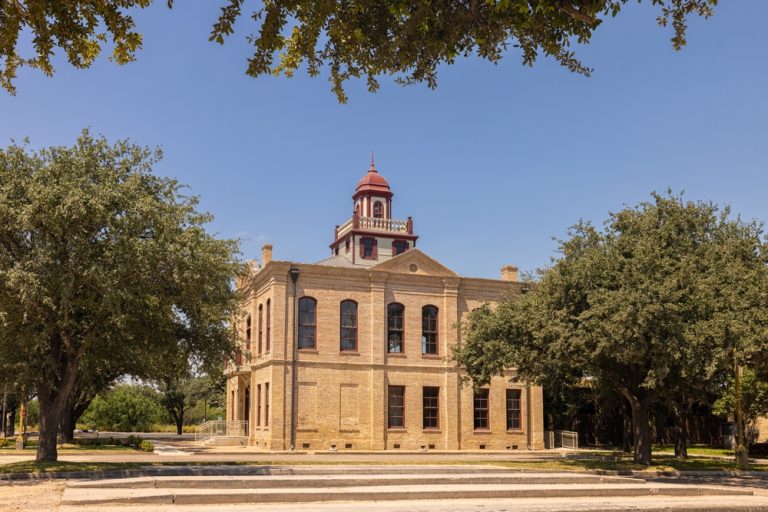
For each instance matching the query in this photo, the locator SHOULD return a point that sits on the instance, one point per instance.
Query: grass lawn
(661, 463)
(32, 446)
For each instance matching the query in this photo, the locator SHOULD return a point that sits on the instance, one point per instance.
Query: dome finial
(373, 165)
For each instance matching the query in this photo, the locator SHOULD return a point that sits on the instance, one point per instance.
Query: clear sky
(492, 165)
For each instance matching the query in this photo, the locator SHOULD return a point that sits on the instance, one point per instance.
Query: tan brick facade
(342, 396)
(407, 396)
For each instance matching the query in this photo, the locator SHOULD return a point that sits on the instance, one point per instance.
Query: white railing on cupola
(375, 224)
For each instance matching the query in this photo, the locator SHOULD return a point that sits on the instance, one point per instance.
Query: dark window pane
(348, 325)
(395, 313)
(513, 409)
(307, 322)
(429, 330)
(396, 407)
(367, 247)
(399, 247)
(481, 409)
(431, 407)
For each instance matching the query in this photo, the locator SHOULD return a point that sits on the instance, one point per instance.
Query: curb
(243, 470)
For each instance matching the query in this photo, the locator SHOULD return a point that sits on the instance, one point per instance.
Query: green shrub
(147, 446)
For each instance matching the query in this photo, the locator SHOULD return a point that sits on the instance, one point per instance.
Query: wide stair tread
(360, 488)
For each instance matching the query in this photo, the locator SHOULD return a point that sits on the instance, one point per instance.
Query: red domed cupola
(372, 235)
(372, 183)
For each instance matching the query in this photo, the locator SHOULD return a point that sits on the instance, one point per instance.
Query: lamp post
(294, 272)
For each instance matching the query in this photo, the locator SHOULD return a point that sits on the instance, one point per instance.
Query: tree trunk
(641, 431)
(626, 437)
(180, 423)
(681, 435)
(67, 427)
(50, 417)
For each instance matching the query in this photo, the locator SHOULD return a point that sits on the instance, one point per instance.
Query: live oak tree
(655, 305)
(358, 38)
(103, 262)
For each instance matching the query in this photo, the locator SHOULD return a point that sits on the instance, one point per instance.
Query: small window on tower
(368, 248)
(399, 247)
(346, 245)
(378, 210)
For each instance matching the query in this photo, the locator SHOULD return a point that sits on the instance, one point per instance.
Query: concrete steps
(381, 484)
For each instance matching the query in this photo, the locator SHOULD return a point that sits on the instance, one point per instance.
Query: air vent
(348, 446)
(305, 446)
(431, 447)
(482, 447)
(395, 446)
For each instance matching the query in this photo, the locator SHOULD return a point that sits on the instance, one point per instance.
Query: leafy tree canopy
(358, 38)
(653, 307)
(104, 267)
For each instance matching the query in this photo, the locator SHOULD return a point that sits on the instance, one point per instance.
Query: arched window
(348, 326)
(269, 326)
(261, 324)
(378, 210)
(248, 332)
(307, 323)
(395, 327)
(429, 330)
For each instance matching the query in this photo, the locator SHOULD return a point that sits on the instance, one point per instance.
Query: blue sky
(492, 165)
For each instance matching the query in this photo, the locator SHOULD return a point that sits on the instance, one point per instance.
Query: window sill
(431, 356)
(432, 431)
(308, 351)
(306, 430)
(397, 430)
(515, 431)
(349, 353)
(396, 354)
(484, 431)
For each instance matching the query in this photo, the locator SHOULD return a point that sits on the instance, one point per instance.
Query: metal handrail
(221, 428)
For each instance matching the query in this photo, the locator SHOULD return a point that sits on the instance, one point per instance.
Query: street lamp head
(294, 274)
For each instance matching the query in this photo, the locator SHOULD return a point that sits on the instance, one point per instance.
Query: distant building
(358, 346)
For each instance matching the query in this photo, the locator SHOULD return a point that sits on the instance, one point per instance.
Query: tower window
(399, 247)
(395, 315)
(348, 326)
(378, 210)
(429, 330)
(307, 322)
(368, 248)
(346, 245)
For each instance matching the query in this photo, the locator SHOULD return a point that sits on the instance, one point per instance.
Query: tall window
(431, 407)
(399, 247)
(481, 409)
(258, 405)
(261, 324)
(269, 325)
(266, 404)
(368, 248)
(378, 210)
(248, 333)
(395, 316)
(307, 322)
(348, 325)
(396, 407)
(513, 409)
(429, 330)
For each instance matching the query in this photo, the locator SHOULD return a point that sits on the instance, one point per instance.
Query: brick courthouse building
(354, 352)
